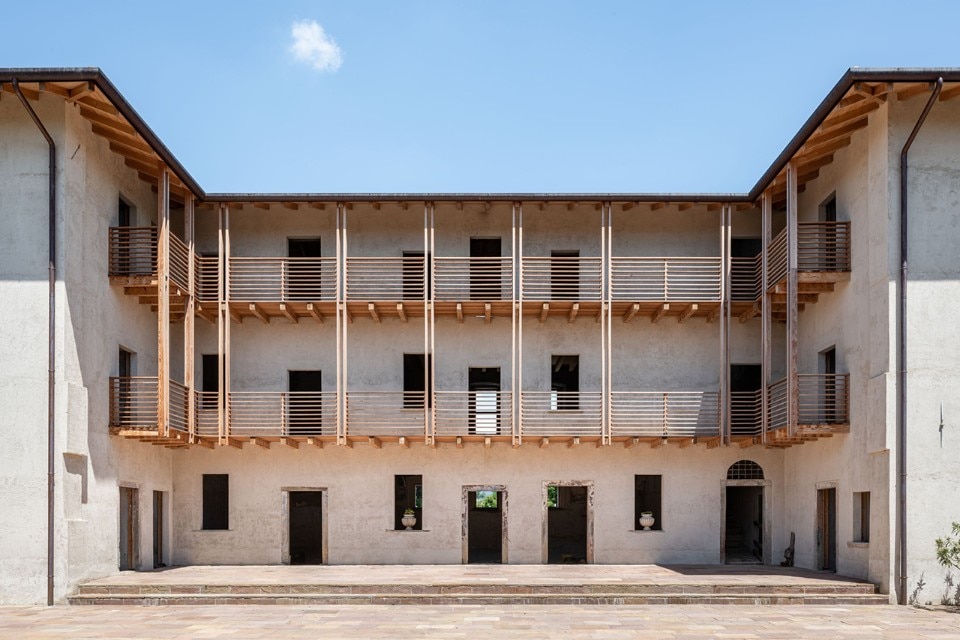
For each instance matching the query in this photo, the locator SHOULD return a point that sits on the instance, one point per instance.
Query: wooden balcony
(467, 416)
(385, 414)
(290, 288)
(823, 408)
(135, 410)
(386, 287)
(683, 287)
(823, 259)
(272, 415)
(670, 415)
(473, 287)
(207, 414)
(560, 286)
(746, 411)
(561, 414)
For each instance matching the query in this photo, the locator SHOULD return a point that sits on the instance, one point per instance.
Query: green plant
(409, 512)
(948, 548)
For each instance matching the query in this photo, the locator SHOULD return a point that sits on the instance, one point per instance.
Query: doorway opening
(484, 524)
(827, 529)
(565, 274)
(484, 411)
(305, 409)
(158, 526)
(485, 269)
(306, 527)
(568, 523)
(304, 278)
(129, 529)
(743, 543)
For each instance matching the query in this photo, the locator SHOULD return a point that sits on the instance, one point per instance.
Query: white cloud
(312, 45)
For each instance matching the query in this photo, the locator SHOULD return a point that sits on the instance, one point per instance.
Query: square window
(647, 497)
(407, 500)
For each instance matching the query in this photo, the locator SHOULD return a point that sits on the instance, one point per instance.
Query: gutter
(902, 353)
(51, 328)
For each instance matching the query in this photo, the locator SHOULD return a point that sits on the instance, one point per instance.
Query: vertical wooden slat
(189, 317)
(519, 312)
(222, 319)
(163, 306)
(793, 394)
(724, 396)
(340, 271)
(344, 343)
(514, 392)
(430, 258)
(767, 314)
(225, 393)
(603, 323)
(426, 324)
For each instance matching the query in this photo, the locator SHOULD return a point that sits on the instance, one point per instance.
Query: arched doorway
(745, 527)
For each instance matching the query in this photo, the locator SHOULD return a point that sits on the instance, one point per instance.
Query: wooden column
(163, 304)
(223, 319)
(725, 232)
(189, 316)
(519, 312)
(225, 390)
(606, 383)
(514, 389)
(341, 287)
(793, 389)
(767, 314)
(429, 284)
(344, 356)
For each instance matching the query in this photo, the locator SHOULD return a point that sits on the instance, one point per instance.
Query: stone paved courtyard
(671, 621)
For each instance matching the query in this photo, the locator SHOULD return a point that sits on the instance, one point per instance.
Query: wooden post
(189, 316)
(163, 304)
(725, 429)
(345, 372)
(767, 317)
(225, 392)
(428, 263)
(793, 391)
(223, 318)
(519, 313)
(340, 286)
(514, 395)
(606, 383)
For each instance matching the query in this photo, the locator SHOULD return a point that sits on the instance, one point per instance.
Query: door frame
(818, 547)
(764, 484)
(135, 524)
(545, 516)
(465, 520)
(285, 521)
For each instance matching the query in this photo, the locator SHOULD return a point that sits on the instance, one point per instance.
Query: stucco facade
(675, 348)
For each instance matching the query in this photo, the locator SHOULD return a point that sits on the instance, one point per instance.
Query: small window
(861, 516)
(416, 382)
(564, 383)
(486, 500)
(216, 501)
(124, 213)
(745, 470)
(408, 495)
(647, 497)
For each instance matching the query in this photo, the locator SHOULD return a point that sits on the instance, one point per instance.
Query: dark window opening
(861, 516)
(124, 213)
(745, 385)
(567, 526)
(485, 269)
(647, 497)
(828, 386)
(209, 381)
(408, 495)
(304, 280)
(484, 412)
(745, 470)
(828, 211)
(305, 409)
(416, 381)
(306, 527)
(565, 274)
(745, 247)
(565, 383)
(216, 501)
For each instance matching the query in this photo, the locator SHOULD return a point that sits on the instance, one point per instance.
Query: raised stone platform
(478, 584)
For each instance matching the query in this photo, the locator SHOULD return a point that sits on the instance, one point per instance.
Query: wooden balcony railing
(777, 259)
(179, 263)
(777, 411)
(561, 413)
(179, 409)
(385, 413)
(461, 279)
(666, 279)
(134, 403)
(824, 399)
(482, 413)
(658, 414)
(745, 279)
(746, 413)
(206, 414)
(133, 251)
(545, 279)
(282, 413)
(822, 247)
(283, 279)
(206, 281)
(394, 278)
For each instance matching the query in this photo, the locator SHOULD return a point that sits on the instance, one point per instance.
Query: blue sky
(450, 96)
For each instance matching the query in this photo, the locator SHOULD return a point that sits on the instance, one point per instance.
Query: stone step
(608, 598)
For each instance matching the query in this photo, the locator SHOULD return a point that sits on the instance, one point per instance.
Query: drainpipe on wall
(51, 328)
(902, 355)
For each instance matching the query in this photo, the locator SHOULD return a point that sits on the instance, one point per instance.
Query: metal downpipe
(51, 329)
(902, 356)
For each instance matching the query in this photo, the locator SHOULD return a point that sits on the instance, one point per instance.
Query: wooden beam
(131, 141)
(81, 90)
(715, 314)
(374, 442)
(314, 312)
(950, 94)
(315, 442)
(487, 442)
(659, 313)
(99, 105)
(632, 310)
(599, 317)
(626, 206)
(374, 314)
(574, 310)
(207, 444)
(460, 312)
(913, 90)
(293, 206)
(656, 205)
(402, 312)
(290, 442)
(404, 442)
(288, 314)
(544, 443)
(346, 312)
(258, 313)
(233, 442)
(686, 442)
(574, 441)
(544, 310)
(684, 206)
(206, 314)
(686, 313)
(30, 94)
(260, 442)
(487, 313)
(753, 311)
(102, 119)
(235, 316)
(459, 442)
(656, 442)
(629, 443)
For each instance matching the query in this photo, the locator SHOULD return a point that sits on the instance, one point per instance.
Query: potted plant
(409, 519)
(646, 520)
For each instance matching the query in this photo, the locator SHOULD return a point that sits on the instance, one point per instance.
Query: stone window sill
(642, 531)
(408, 530)
(858, 545)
